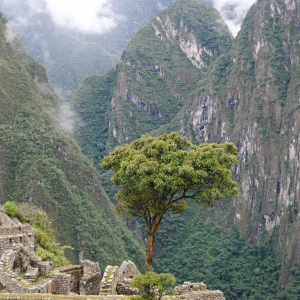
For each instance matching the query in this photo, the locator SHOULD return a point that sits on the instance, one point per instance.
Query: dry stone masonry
(21, 272)
(109, 281)
(127, 272)
(197, 291)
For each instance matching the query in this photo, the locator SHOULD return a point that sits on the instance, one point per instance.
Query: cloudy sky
(99, 16)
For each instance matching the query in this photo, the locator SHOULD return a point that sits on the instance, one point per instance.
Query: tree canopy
(158, 174)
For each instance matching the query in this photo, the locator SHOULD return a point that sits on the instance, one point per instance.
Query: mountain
(164, 61)
(43, 165)
(69, 55)
(256, 105)
(184, 72)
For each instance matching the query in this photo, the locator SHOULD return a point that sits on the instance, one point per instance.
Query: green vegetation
(152, 82)
(196, 246)
(247, 96)
(46, 245)
(43, 165)
(70, 56)
(150, 283)
(157, 72)
(158, 174)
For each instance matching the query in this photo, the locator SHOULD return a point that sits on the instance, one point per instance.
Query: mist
(67, 117)
(89, 16)
(99, 16)
(233, 12)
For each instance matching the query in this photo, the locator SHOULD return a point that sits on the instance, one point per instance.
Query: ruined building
(22, 272)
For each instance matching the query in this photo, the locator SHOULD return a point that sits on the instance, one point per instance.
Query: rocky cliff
(256, 105)
(183, 72)
(164, 61)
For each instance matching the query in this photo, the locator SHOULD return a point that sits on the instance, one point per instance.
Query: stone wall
(48, 297)
(76, 273)
(45, 267)
(12, 282)
(127, 272)
(197, 291)
(109, 281)
(90, 285)
(60, 283)
(17, 255)
(15, 230)
(14, 241)
(91, 281)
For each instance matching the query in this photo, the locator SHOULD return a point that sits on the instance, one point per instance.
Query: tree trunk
(150, 243)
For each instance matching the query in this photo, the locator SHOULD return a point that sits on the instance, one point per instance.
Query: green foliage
(46, 245)
(292, 290)
(157, 174)
(11, 208)
(151, 283)
(43, 165)
(214, 252)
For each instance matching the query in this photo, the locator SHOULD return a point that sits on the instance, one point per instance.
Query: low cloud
(67, 117)
(99, 16)
(90, 16)
(10, 33)
(233, 12)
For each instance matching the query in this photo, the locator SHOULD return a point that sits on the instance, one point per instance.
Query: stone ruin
(197, 291)
(22, 272)
(127, 272)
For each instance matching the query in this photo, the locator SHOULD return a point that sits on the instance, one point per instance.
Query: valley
(183, 71)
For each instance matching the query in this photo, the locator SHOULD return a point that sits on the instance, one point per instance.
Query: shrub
(11, 208)
(151, 284)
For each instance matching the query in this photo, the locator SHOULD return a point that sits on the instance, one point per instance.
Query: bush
(11, 208)
(151, 284)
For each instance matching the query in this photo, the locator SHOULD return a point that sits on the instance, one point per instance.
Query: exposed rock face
(257, 107)
(182, 35)
(248, 95)
(147, 83)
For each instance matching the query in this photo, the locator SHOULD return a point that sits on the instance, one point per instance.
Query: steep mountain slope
(257, 106)
(248, 94)
(162, 64)
(68, 55)
(41, 164)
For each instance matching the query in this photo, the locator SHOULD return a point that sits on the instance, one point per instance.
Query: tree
(152, 283)
(158, 174)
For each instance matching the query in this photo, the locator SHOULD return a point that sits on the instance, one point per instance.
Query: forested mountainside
(213, 88)
(164, 61)
(256, 105)
(69, 56)
(43, 165)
